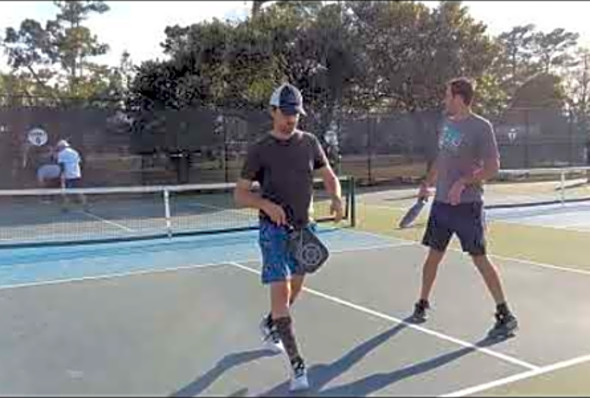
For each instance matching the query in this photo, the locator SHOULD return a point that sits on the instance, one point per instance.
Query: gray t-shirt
(284, 169)
(462, 147)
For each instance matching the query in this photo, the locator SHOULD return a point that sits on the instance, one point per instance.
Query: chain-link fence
(387, 148)
(530, 138)
(28, 135)
(398, 147)
(166, 147)
(204, 145)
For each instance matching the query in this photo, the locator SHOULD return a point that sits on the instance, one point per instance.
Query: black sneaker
(270, 336)
(505, 326)
(419, 315)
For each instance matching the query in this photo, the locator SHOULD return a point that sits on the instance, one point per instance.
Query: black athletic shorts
(466, 220)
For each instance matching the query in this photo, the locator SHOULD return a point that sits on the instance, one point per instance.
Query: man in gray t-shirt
(467, 156)
(463, 146)
(283, 163)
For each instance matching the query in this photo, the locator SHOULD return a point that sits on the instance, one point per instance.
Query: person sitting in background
(48, 174)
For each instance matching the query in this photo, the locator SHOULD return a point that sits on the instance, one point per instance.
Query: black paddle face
(412, 213)
(307, 249)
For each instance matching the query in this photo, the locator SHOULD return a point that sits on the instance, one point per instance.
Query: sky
(138, 26)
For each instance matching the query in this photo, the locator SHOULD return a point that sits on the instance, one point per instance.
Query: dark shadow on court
(224, 365)
(320, 375)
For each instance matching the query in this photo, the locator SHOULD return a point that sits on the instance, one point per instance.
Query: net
(38, 216)
(540, 186)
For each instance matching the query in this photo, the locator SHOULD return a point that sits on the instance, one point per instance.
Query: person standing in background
(70, 163)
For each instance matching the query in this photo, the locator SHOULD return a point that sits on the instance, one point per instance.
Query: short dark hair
(463, 87)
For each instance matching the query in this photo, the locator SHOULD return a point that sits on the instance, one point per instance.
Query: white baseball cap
(62, 144)
(288, 99)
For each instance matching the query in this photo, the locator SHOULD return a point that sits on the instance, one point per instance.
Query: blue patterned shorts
(278, 264)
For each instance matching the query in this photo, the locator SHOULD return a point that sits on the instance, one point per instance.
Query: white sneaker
(299, 377)
(270, 338)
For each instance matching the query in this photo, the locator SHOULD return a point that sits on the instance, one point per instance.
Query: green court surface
(545, 246)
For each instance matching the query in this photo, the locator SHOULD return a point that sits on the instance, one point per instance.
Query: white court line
(483, 350)
(110, 276)
(180, 268)
(542, 265)
(530, 224)
(108, 221)
(518, 377)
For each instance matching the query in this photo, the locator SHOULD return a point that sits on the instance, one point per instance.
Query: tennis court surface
(179, 317)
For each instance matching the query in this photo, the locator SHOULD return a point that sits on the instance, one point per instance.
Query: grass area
(533, 243)
(383, 168)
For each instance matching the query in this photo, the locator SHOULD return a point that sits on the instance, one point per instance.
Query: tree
(553, 50)
(491, 98)
(30, 52)
(410, 51)
(541, 91)
(58, 55)
(578, 88)
(517, 46)
(223, 64)
(315, 51)
(349, 55)
(75, 43)
(17, 90)
(257, 5)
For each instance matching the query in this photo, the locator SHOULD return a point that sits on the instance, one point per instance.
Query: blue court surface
(180, 318)
(56, 263)
(569, 216)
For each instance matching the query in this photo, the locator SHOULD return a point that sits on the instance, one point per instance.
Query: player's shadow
(224, 365)
(320, 375)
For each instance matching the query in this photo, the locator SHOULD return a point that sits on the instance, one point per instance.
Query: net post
(352, 183)
(346, 180)
(562, 188)
(167, 212)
